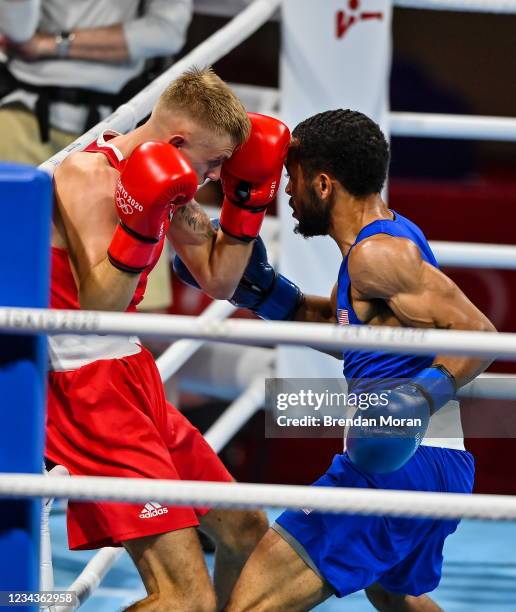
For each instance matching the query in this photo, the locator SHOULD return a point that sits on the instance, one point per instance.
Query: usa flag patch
(342, 316)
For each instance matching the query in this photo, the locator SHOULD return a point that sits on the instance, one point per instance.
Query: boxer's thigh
(275, 577)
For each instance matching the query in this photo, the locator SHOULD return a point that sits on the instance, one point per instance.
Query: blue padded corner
(25, 226)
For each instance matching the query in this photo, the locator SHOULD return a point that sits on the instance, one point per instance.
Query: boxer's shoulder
(84, 167)
(380, 247)
(84, 179)
(84, 187)
(382, 263)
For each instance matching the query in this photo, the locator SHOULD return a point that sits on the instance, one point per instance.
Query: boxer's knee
(237, 531)
(249, 529)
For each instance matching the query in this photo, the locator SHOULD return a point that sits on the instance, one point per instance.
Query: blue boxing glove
(389, 441)
(261, 289)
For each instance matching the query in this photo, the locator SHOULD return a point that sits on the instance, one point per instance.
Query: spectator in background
(72, 62)
(69, 62)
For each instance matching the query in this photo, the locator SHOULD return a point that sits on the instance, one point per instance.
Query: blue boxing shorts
(402, 555)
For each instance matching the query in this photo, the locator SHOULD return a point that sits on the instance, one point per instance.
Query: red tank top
(63, 289)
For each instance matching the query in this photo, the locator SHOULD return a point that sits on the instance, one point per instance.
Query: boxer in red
(116, 202)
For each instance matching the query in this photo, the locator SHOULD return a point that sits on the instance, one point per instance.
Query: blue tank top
(361, 366)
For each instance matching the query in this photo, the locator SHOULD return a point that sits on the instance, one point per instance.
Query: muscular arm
(215, 260)
(88, 222)
(419, 295)
(317, 309)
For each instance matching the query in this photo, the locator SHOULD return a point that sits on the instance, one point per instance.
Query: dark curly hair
(346, 144)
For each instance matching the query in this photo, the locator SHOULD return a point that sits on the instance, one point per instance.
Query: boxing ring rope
(437, 125)
(91, 576)
(421, 125)
(474, 255)
(477, 6)
(491, 386)
(413, 504)
(415, 341)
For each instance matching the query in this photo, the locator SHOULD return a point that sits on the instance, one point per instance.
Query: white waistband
(70, 352)
(445, 428)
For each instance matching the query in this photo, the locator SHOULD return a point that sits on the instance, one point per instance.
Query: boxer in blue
(337, 165)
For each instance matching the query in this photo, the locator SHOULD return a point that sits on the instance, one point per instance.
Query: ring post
(25, 209)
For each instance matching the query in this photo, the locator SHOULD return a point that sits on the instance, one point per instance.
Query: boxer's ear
(323, 185)
(177, 141)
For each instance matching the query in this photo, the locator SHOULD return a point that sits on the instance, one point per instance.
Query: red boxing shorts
(111, 418)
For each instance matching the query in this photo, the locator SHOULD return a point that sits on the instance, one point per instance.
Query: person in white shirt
(60, 53)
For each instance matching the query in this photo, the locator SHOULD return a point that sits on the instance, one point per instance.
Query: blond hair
(204, 97)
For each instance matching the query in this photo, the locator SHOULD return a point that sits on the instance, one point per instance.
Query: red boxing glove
(156, 178)
(251, 177)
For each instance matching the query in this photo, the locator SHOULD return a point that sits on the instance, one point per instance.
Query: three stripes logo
(152, 509)
(342, 316)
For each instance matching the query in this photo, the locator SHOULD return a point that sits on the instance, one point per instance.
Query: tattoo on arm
(196, 219)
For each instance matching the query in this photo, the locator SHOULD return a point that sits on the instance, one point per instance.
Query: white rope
(423, 125)
(46, 572)
(262, 333)
(207, 53)
(491, 386)
(244, 495)
(474, 255)
(432, 125)
(91, 576)
(476, 6)
(236, 415)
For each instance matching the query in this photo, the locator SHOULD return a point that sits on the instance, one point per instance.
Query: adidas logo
(152, 509)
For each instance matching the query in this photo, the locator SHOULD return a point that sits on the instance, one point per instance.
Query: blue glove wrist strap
(282, 302)
(437, 384)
